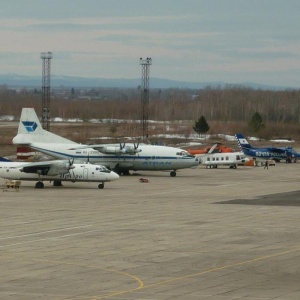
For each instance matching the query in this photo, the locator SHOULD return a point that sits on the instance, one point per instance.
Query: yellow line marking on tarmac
(140, 282)
(197, 274)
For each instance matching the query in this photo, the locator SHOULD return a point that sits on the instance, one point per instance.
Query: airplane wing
(36, 167)
(47, 168)
(112, 148)
(278, 150)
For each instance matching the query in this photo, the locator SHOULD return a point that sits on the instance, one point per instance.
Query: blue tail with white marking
(31, 131)
(242, 141)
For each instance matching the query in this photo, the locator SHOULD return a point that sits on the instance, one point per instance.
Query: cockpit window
(102, 169)
(184, 154)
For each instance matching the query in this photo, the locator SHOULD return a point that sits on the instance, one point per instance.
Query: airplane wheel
(57, 183)
(39, 185)
(101, 186)
(173, 174)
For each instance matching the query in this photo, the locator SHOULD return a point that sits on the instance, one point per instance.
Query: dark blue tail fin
(242, 141)
(4, 159)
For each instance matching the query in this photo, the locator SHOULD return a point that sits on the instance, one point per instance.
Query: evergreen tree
(201, 126)
(256, 123)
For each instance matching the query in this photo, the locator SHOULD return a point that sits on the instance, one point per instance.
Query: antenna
(46, 57)
(145, 63)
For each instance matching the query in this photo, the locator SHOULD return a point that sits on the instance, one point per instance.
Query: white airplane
(231, 159)
(118, 157)
(58, 170)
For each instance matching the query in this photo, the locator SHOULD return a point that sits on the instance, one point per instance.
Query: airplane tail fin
(31, 131)
(242, 141)
(4, 159)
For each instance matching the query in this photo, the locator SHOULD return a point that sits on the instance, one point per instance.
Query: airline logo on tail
(30, 126)
(243, 141)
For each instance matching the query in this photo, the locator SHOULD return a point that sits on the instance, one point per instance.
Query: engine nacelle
(59, 168)
(132, 150)
(112, 150)
(118, 150)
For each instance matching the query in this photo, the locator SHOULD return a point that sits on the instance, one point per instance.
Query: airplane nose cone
(113, 175)
(195, 162)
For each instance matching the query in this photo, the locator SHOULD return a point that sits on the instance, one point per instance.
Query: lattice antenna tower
(145, 63)
(46, 72)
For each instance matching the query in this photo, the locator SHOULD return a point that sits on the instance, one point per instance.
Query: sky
(231, 41)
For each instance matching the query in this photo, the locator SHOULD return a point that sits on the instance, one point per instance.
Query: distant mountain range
(17, 81)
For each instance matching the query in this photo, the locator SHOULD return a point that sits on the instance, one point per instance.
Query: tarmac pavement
(204, 234)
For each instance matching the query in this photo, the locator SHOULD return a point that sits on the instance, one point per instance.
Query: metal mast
(145, 63)
(46, 57)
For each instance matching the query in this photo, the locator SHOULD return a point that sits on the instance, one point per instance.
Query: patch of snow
(7, 118)
(57, 119)
(282, 141)
(76, 120)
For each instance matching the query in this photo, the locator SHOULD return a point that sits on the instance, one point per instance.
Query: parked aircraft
(271, 152)
(218, 149)
(58, 170)
(118, 157)
(231, 159)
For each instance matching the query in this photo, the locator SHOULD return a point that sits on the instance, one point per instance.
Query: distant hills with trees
(15, 80)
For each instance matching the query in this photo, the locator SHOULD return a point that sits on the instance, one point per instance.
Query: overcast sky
(234, 41)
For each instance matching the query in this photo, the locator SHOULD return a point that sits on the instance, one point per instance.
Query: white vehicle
(119, 157)
(58, 170)
(231, 159)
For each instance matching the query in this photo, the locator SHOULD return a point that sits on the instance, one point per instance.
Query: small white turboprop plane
(231, 159)
(58, 170)
(118, 157)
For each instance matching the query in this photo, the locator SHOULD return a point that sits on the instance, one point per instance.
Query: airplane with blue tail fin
(271, 152)
(121, 157)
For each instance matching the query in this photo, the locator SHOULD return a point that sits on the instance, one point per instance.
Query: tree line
(224, 109)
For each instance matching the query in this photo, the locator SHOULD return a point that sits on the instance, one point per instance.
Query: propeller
(136, 146)
(71, 162)
(129, 149)
(71, 166)
(122, 148)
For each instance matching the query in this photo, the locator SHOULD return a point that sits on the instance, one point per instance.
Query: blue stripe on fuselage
(264, 153)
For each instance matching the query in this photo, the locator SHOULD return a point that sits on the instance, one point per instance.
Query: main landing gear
(173, 173)
(39, 185)
(57, 183)
(211, 166)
